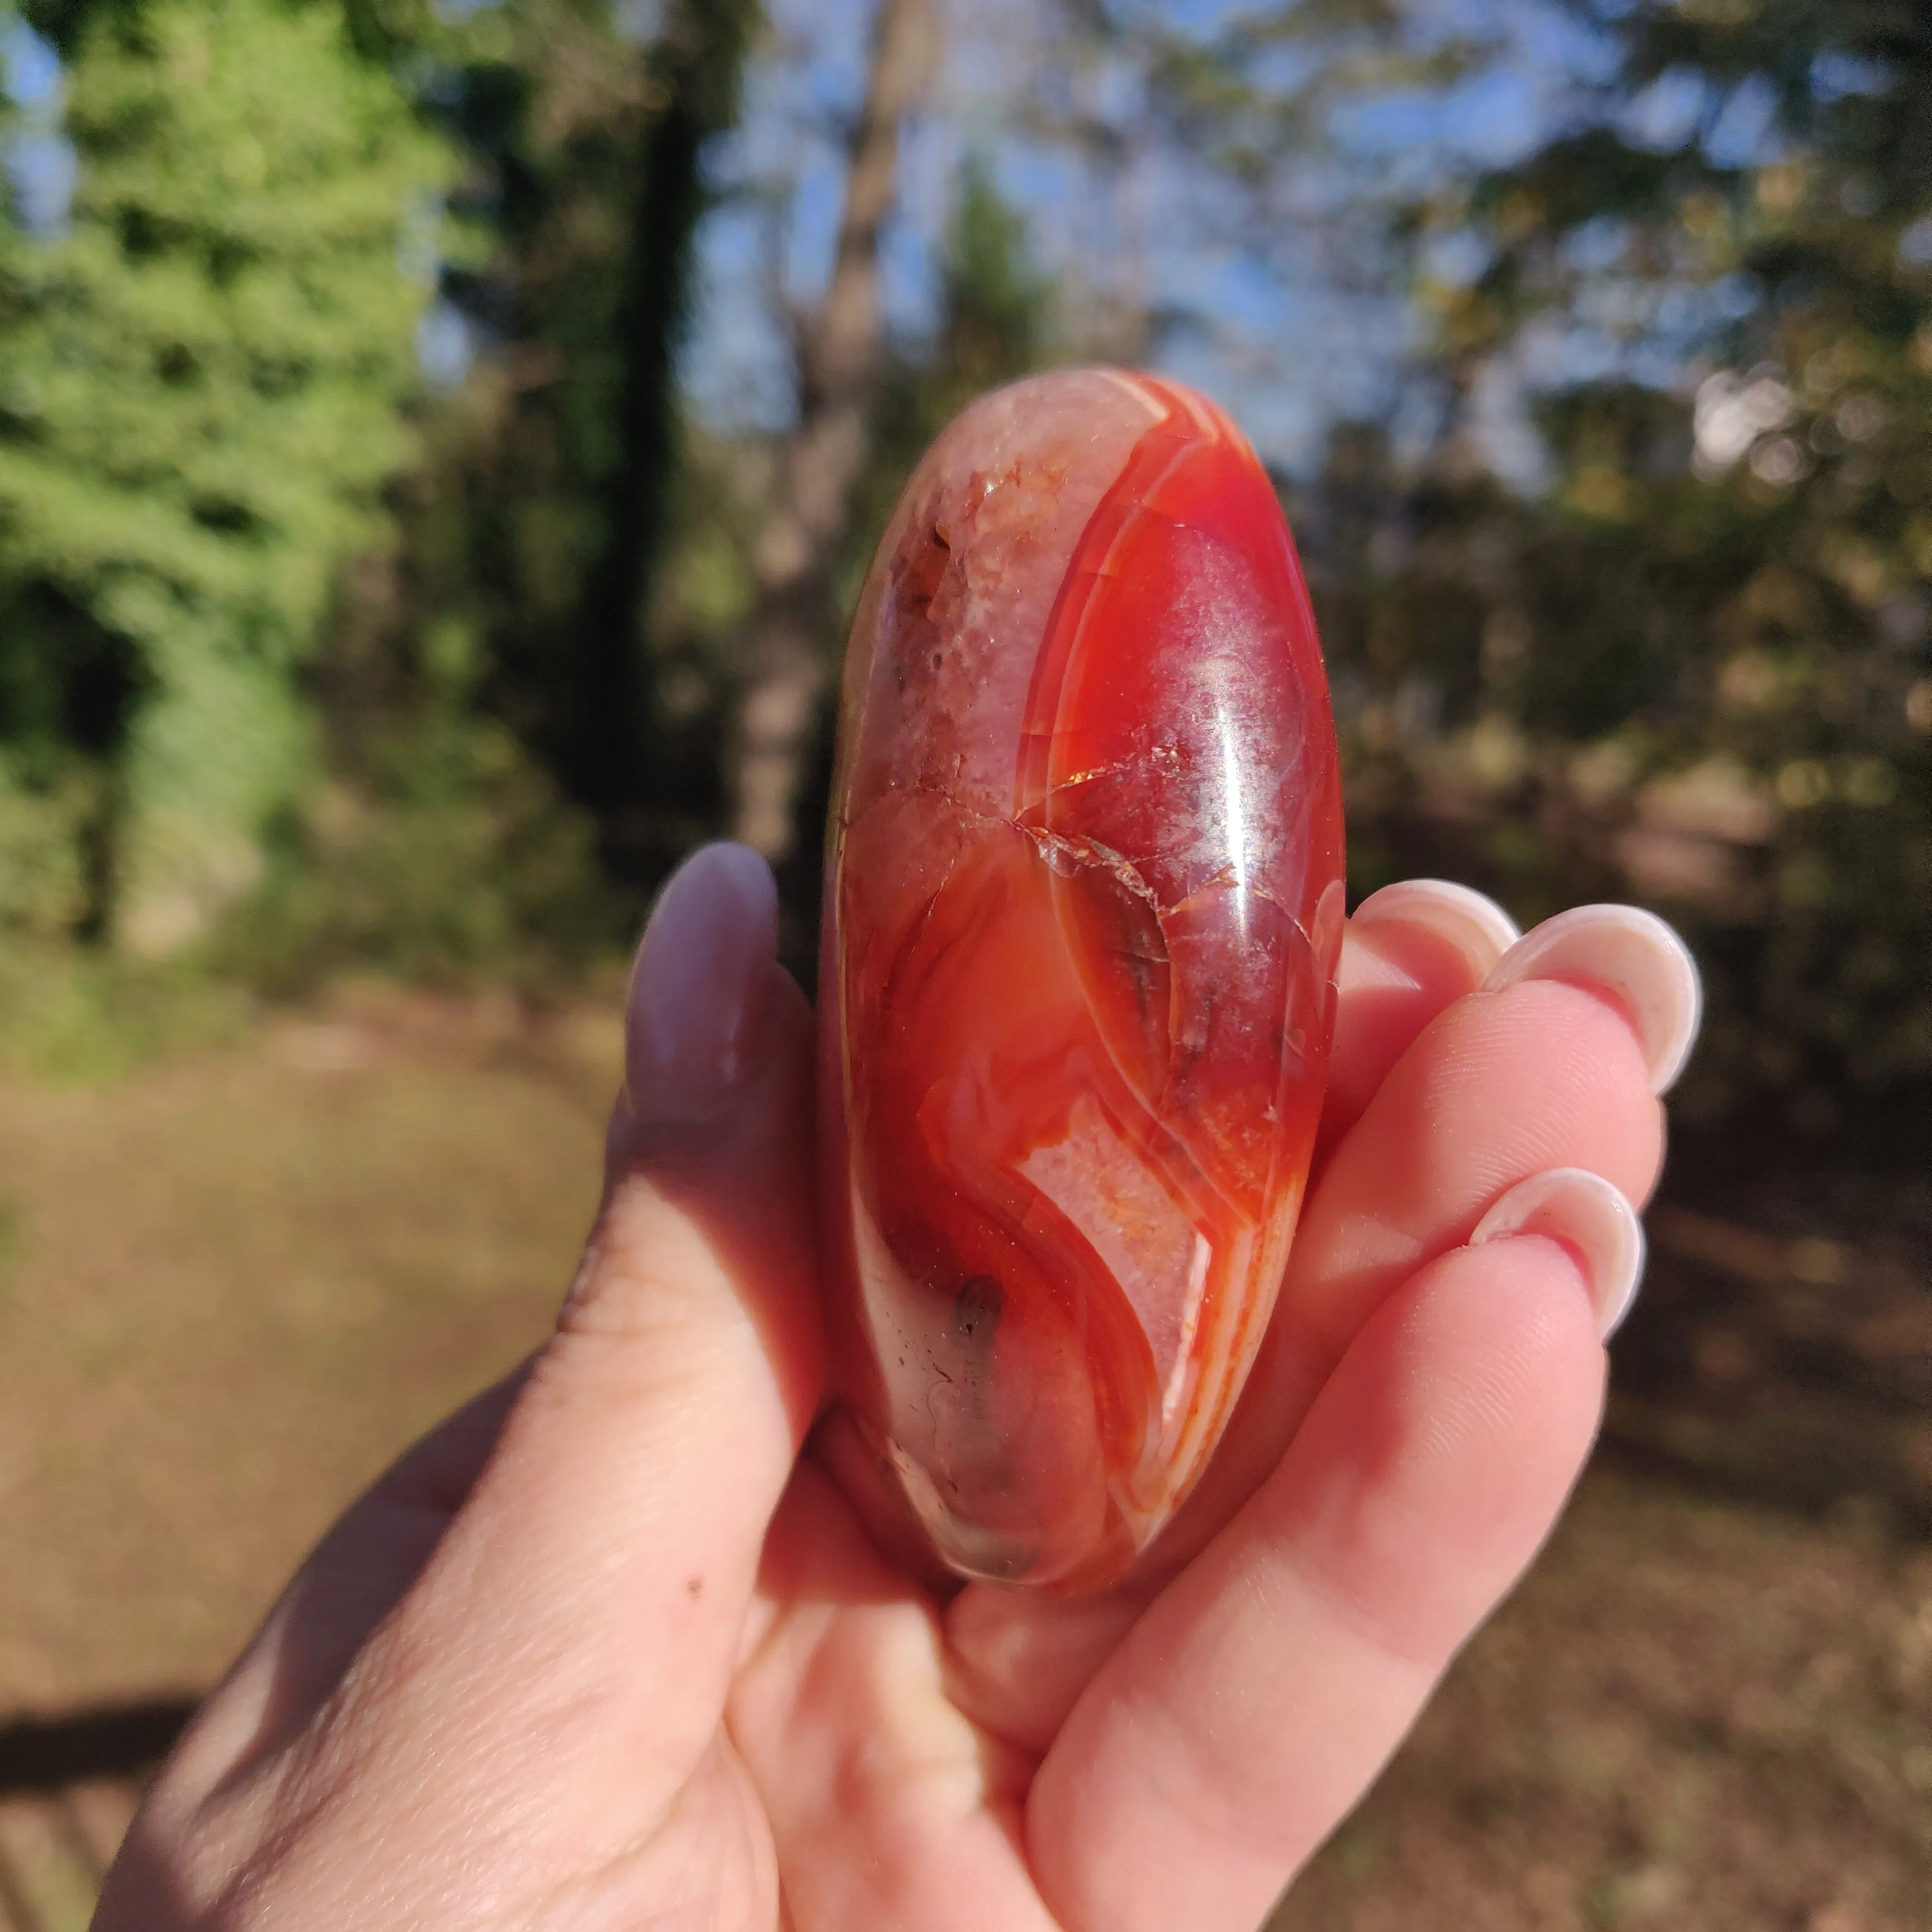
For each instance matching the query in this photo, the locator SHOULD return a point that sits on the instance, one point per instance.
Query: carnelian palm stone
(1083, 911)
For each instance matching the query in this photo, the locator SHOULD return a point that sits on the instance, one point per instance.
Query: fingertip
(1410, 951)
(1501, 1086)
(1470, 921)
(700, 986)
(1587, 1216)
(1635, 957)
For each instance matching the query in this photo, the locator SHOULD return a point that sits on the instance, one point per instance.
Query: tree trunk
(785, 659)
(694, 71)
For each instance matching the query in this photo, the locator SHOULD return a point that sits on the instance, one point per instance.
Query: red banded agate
(1082, 914)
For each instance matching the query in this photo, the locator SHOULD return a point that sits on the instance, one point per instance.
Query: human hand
(606, 1651)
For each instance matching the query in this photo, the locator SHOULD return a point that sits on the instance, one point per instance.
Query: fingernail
(1631, 954)
(700, 986)
(1590, 1217)
(1471, 922)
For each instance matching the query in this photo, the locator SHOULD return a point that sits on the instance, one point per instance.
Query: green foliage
(42, 879)
(334, 673)
(285, 646)
(544, 522)
(85, 1015)
(1694, 665)
(437, 851)
(202, 401)
(994, 322)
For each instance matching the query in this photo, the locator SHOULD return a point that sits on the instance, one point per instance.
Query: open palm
(608, 1651)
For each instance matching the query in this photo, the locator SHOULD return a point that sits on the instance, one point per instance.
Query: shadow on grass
(44, 1754)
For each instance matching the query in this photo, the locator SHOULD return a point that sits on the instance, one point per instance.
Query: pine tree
(201, 397)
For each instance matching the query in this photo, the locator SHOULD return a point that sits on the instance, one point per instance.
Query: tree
(995, 321)
(202, 390)
(1684, 651)
(544, 522)
(786, 653)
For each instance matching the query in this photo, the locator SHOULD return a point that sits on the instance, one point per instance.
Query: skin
(624, 1644)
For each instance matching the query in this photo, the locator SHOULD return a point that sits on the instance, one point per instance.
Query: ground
(234, 1284)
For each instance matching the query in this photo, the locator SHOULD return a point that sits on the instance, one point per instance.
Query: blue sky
(1278, 308)
(38, 163)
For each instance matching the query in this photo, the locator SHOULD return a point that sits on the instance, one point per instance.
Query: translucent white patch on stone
(1148, 1244)
(1182, 1377)
(920, 1351)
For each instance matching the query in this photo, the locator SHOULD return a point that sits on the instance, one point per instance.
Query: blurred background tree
(202, 385)
(503, 788)
(584, 126)
(777, 709)
(1650, 607)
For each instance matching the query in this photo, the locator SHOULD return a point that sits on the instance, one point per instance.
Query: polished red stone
(1082, 916)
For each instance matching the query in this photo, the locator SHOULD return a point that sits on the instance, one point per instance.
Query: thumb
(591, 1593)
